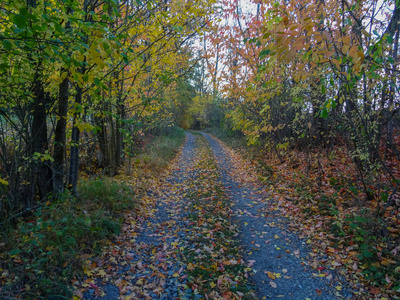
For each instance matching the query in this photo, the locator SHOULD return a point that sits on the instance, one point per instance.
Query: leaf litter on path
(179, 246)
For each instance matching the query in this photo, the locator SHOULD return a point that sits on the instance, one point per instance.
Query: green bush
(234, 139)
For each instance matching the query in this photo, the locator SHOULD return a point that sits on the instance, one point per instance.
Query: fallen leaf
(270, 275)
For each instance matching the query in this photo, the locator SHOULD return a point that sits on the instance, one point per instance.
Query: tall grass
(157, 154)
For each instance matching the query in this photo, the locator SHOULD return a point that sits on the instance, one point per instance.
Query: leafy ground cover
(327, 208)
(43, 252)
(216, 264)
(277, 257)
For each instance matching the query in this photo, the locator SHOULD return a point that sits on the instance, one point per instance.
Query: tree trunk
(118, 136)
(42, 170)
(60, 136)
(111, 150)
(102, 140)
(120, 124)
(61, 127)
(74, 151)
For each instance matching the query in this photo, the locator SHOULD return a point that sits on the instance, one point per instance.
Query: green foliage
(367, 235)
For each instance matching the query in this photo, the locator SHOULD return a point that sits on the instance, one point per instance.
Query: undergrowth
(234, 139)
(44, 252)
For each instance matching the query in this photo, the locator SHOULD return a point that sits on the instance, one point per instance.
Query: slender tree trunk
(60, 132)
(41, 175)
(112, 152)
(118, 136)
(74, 151)
(60, 136)
(120, 125)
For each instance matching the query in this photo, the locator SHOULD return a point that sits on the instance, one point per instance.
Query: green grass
(157, 154)
(112, 196)
(195, 132)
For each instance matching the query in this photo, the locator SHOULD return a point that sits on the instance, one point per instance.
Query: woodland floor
(208, 230)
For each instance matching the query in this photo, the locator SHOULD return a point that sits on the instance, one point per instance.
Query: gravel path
(266, 242)
(147, 263)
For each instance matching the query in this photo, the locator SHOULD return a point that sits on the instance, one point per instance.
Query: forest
(96, 96)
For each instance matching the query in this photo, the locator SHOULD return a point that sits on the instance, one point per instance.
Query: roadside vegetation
(41, 253)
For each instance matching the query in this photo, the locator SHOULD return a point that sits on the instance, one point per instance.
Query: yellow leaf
(87, 272)
(270, 275)
(336, 63)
